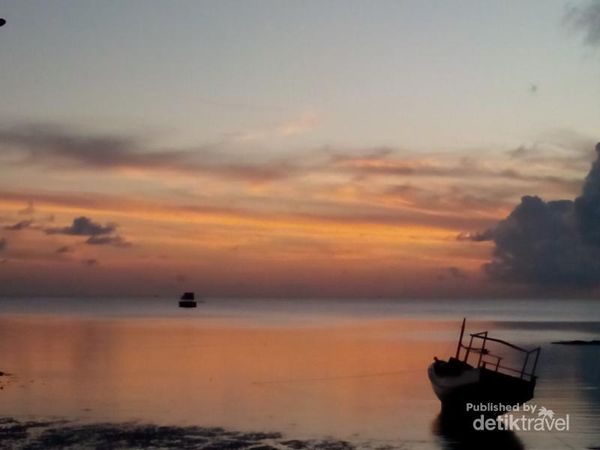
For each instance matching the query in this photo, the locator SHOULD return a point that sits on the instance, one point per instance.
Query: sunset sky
(271, 148)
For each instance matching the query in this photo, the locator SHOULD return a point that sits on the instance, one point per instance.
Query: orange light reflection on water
(365, 378)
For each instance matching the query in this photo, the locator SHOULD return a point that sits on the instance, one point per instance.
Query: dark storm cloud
(83, 226)
(587, 206)
(21, 225)
(3, 244)
(585, 19)
(553, 243)
(540, 243)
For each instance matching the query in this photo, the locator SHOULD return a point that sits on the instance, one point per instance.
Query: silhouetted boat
(187, 300)
(477, 376)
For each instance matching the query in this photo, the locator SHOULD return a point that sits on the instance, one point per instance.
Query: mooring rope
(338, 377)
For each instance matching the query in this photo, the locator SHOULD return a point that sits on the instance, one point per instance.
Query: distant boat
(187, 300)
(476, 375)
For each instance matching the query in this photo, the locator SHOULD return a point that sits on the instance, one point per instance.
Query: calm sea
(352, 370)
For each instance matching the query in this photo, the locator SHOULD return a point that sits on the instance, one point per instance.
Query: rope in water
(339, 377)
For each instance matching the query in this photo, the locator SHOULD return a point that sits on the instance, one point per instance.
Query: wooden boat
(488, 371)
(187, 300)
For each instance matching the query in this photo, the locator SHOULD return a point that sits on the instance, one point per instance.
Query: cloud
(293, 127)
(82, 226)
(89, 262)
(117, 241)
(64, 249)
(28, 210)
(457, 273)
(60, 148)
(585, 19)
(383, 185)
(300, 125)
(476, 236)
(298, 211)
(98, 234)
(64, 148)
(549, 243)
(21, 225)
(387, 165)
(3, 244)
(587, 206)
(56, 145)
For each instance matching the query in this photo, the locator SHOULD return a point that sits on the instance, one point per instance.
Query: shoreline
(578, 342)
(66, 434)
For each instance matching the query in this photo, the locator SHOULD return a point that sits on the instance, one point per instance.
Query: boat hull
(187, 304)
(478, 387)
(446, 387)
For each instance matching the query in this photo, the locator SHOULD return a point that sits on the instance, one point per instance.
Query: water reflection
(361, 379)
(458, 435)
(353, 379)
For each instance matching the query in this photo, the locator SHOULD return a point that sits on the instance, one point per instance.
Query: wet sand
(56, 434)
(62, 434)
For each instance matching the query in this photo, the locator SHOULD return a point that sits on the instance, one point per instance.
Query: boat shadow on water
(460, 435)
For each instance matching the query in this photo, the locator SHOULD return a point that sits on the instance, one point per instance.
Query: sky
(294, 149)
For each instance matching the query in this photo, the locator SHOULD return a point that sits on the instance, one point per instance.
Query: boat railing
(484, 358)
